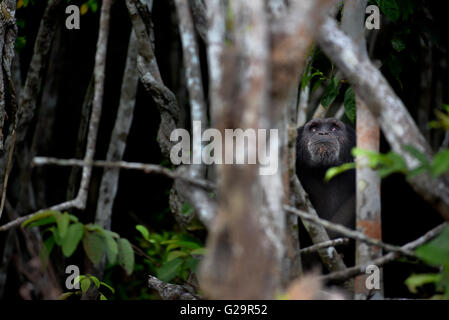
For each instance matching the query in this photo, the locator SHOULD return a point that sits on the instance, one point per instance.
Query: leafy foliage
(393, 162)
(435, 253)
(91, 5)
(442, 121)
(331, 92)
(67, 232)
(170, 255)
(86, 282)
(349, 104)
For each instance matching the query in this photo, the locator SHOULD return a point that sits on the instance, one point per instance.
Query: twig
(356, 270)
(198, 110)
(326, 244)
(348, 232)
(59, 207)
(99, 74)
(117, 144)
(200, 200)
(147, 168)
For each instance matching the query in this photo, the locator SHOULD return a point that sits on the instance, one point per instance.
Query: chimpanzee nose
(323, 133)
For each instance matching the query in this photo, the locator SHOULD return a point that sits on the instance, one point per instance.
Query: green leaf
(440, 163)
(436, 252)
(62, 222)
(199, 251)
(126, 255)
(78, 279)
(390, 8)
(143, 231)
(42, 222)
(192, 263)
(72, 239)
(95, 281)
(417, 154)
(85, 284)
(175, 254)
(169, 269)
(111, 247)
(184, 244)
(66, 295)
(102, 297)
(57, 237)
(107, 286)
(20, 23)
(94, 244)
(331, 92)
(391, 163)
(397, 44)
(187, 209)
(418, 280)
(38, 216)
(45, 251)
(20, 43)
(417, 171)
(349, 104)
(332, 172)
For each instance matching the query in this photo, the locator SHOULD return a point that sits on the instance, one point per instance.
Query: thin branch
(146, 168)
(119, 135)
(59, 207)
(348, 232)
(326, 244)
(99, 74)
(356, 270)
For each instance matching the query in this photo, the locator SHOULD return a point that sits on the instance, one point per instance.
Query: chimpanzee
(322, 144)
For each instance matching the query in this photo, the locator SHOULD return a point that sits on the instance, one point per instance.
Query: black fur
(322, 144)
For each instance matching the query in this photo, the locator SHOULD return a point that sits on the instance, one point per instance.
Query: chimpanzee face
(325, 142)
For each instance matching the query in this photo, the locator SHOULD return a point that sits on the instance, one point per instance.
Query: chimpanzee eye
(313, 128)
(334, 127)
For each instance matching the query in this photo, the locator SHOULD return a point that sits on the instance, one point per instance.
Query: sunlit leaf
(85, 284)
(94, 244)
(84, 8)
(62, 222)
(126, 255)
(330, 93)
(332, 172)
(143, 231)
(38, 216)
(418, 280)
(111, 247)
(440, 163)
(390, 8)
(169, 270)
(72, 238)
